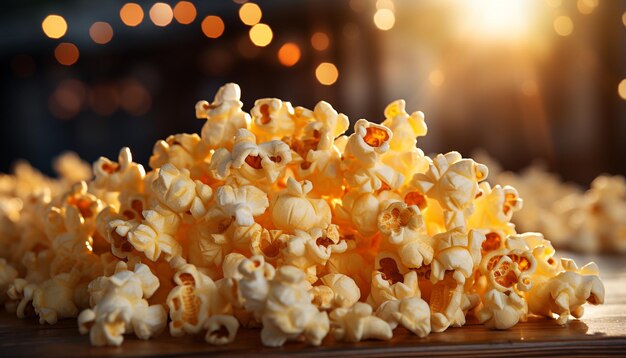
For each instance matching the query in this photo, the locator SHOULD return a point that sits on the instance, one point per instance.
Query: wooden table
(602, 331)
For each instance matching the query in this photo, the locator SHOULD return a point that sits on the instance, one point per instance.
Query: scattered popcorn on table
(280, 220)
(586, 221)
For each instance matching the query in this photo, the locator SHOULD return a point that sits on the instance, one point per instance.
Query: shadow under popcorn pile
(276, 219)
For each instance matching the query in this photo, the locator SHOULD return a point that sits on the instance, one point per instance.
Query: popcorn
(223, 117)
(358, 323)
(412, 313)
(121, 307)
(279, 220)
(221, 329)
(294, 210)
(272, 119)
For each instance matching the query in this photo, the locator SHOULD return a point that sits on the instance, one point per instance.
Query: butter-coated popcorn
(294, 209)
(412, 313)
(122, 308)
(223, 117)
(272, 119)
(282, 221)
(358, 323)
(289, 314)
(190, 300)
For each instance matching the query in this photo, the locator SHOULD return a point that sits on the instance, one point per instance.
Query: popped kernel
(358, 323)
(122, 308)
(272, 119)
(293, 209)
(223, 117)
(412, 313)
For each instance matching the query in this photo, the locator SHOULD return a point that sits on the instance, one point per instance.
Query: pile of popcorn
(278, 219)
(588, 221)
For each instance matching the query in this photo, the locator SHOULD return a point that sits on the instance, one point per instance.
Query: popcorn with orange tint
(190, 300)
(404, 156)
(175, 190)
(391, 281)
(251, 163)
(336, 290)
(184, 151)
(308, 250)
(402, 228)
(272, 119)
(494, 208)
(223, 117)
(453, 182)
(362, 168)
(153, 236)
(294, 209)
(288, 313)
(277, 221)
(121, 307)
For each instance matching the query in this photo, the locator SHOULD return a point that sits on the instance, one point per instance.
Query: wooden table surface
(602, 331)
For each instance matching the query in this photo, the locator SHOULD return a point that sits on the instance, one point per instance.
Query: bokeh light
(67, 99)
(326, 73)
(496, 19)
(385, 4)
(54, 26)
(384, 19)
(436, 78)
(250, 13)
(289, 54)
(135, 98)
(161, 14)
(101, 32)
(131, 14)
(185, 12)
(621, 89)
(563, 25)
(104, 99)
(212, 26)
(320, 41)
(66, 53)
(261, 35)
(554, 3)
(586, 7)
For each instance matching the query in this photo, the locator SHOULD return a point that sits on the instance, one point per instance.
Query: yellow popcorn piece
(564, 294)
(402, 227)
(307, 250)
(502, 310)
(241, 203)
(272, 119)
(176, 191)
(190, 300)
(123, 175)
(458, 252)
(391, 281)
(223, 117)
(289, 314)
(453, 182)
(185, 151)
(293, 209)
(361, 165)
(358, 323)
(412, 313)
(336, 290)
(494, 208)
(121, 307)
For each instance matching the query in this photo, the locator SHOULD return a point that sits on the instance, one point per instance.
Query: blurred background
(523, 79)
